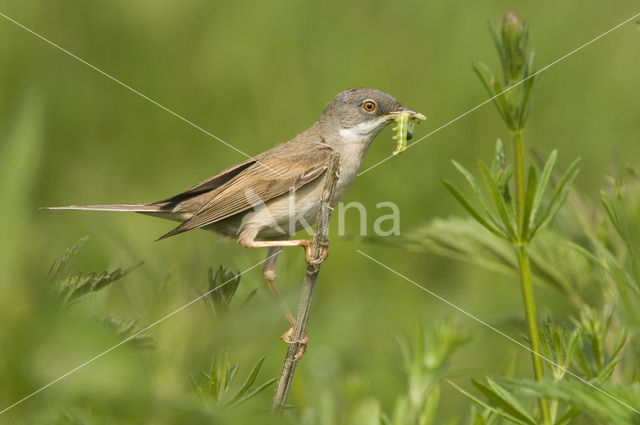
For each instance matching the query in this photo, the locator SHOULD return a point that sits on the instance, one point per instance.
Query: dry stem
(306, 296)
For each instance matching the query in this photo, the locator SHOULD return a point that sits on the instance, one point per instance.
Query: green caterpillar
(405, 124)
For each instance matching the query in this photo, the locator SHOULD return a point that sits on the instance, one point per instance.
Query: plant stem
(532, 325)
(525, 274)
(295, 349)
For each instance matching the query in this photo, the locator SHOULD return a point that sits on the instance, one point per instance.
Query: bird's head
(359, 114)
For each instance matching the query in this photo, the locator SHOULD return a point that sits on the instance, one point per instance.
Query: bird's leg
(305, 243)
(269, 275)
(268, 271)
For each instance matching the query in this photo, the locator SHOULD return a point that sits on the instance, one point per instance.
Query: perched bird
(263, 201)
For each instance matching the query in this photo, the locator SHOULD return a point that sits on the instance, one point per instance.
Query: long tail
(158, 209)
(143, 208)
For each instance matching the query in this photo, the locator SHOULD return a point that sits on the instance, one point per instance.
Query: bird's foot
(308, 255)
(286, 337)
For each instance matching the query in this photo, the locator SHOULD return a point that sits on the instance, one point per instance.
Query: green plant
(426, 363)
(518, 220)
(72, 286)
(223, 285)
(591, 260)
(426, 360)
(220, 378)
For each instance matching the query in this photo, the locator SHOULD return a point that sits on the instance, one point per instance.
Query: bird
(264, 200)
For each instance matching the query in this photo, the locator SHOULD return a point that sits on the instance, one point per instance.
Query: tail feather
(146, 208)
(158, 209)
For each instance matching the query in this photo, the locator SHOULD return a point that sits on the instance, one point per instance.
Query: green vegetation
(381, 351)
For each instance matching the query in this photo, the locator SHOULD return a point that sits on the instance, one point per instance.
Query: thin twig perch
(308, 285)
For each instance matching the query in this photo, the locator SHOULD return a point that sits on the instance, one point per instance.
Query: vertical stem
(525, 274)
(295, 349)
(532, 326)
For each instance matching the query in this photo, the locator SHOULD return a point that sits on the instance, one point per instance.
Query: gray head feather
(349, 108)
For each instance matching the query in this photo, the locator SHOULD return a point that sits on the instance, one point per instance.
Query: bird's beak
(402, 110)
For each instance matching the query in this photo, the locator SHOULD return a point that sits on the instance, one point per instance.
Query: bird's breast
(351, 157)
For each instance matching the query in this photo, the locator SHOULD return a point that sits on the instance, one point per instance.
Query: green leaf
(254, 392)
(219, 371)
(384, 419)
(528, 88)
(489, 81)
(476, 189)
(503, 105)
(559, 196)
(60, 265)
(532, 182)
(615, 406)
(222, 287)
(611, 212)
(498, 200)
(127, 328)
(248, 383)
(486, 76)
(428, 414)
(249, 297)
(497, 41)
(487, 406)
(609, 263)
(542, 185)
(471, 210)
(400, 411)
(198, 389)
(501, 171)
(77, 285)
(231, 374)
(418, 353)
(499, 162)
(527, 99)
(504, 400)
(614, 358)
(567, 416)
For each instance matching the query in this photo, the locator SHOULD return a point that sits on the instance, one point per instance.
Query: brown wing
(282, 169)
(206, 185)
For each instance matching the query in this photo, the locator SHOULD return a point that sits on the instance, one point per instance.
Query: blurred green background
(255, 74)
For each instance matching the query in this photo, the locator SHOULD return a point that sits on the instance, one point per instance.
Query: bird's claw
(286, 337)
(308, 255)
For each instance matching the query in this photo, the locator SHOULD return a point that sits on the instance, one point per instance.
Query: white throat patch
(360, 131)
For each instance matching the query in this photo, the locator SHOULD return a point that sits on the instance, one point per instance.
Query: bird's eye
(369, 105)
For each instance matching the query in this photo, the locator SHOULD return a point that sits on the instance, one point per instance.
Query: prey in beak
(406, 120)
(413, 118)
